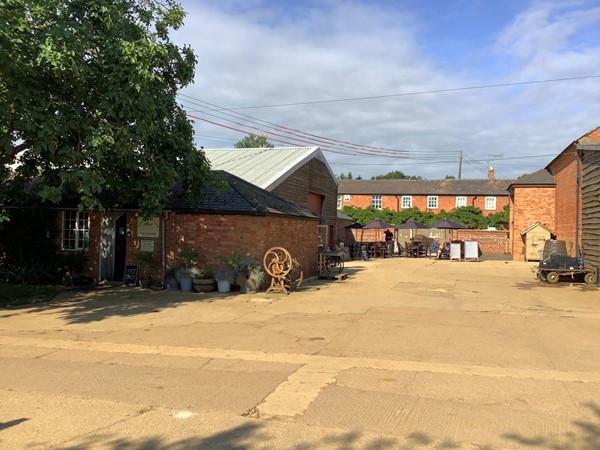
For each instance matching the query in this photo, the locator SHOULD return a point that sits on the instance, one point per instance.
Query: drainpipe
(164, 246)
(577, 191)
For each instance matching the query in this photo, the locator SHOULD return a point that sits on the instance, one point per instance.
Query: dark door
(120, 246)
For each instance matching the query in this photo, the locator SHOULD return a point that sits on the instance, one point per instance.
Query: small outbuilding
(534, 237)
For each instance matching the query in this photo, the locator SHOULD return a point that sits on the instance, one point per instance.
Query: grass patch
(21, 294)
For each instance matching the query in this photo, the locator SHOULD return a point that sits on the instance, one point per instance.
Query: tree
(253, 141)
(396, 175)
(450, 177)
(87, 103)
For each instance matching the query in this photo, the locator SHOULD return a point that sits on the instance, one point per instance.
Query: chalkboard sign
(471, 250)
(455, 251)
(130, 277)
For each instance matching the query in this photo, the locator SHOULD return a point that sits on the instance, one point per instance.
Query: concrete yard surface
(403, 354)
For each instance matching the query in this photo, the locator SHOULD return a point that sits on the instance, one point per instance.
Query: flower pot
(205, 285)
(186, 283)
(145, 283)
(224, 285)
(171, 284)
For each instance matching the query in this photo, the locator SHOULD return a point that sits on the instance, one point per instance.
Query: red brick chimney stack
(491, 174)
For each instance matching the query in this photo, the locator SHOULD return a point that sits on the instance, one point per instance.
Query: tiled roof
(264, 167)
(540, 178)
(424, 187)
(237, 196)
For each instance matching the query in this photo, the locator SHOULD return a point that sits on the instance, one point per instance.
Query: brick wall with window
(445, 202)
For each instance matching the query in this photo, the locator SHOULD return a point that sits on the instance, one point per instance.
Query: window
(76, 230)
(346, 198)
(490, 203)
(461, 201)
(376, 201)
(432, 202)
(339, 202)
(406, 201)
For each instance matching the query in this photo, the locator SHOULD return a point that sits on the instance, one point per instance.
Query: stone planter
(224, 285)
(186, 284)
(205, 285)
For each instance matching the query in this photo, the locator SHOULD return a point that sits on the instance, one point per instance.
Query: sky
(397, 85)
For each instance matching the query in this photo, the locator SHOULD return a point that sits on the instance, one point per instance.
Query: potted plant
(145, 261)
(225, 277)
(188, 260)
(249, 275)
(204, 281)
(171, 282)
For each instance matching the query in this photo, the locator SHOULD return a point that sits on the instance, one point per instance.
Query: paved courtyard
(404, 354)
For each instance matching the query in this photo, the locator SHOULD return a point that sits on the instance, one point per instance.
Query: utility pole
(459, 164)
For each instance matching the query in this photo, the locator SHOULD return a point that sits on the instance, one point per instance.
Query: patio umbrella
(376, 224)
(355, 225)
(411, 225)
(447, 225)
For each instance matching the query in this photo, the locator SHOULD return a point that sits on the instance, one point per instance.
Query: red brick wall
(565, 173)
(445, 202)
(248, 236)
(490, 242)
(529, 205)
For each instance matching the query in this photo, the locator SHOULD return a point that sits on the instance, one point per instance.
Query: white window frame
(339, 202)
(490, 204)
(376, 201)
(432, 202)
(461, 201)
(406, 201)
(75, 230)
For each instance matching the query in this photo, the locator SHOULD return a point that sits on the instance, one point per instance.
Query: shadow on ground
(253, 436)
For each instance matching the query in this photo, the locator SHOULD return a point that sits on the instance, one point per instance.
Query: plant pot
(186, 283)
(205, 285)
(171, 284)
(224, 285)
(145, 283)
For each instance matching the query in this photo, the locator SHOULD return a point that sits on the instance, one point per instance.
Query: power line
(406, 94)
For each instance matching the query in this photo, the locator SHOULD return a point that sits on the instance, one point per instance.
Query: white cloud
(260, 55)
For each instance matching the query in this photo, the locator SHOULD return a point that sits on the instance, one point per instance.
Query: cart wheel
(541, 276)
(590, 278)
(552, 277)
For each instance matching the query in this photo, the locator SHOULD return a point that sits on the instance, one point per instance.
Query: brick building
(489, 195)
(532, 200)
(300, 175)
(237, 217)
(577, 212)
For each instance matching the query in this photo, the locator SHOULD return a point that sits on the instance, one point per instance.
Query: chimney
(491, 175)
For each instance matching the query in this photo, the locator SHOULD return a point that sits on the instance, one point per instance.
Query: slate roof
(264, 167)
(237, 196)
(424, 187)
(540, 178)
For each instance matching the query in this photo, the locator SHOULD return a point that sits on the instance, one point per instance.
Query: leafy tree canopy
(253, 141)
(450, 177)
(396, 175)
(467, 215)
(343, 176)
(87, 102)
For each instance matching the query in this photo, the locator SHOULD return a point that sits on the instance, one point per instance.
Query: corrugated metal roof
(424, 187)
(263, 167)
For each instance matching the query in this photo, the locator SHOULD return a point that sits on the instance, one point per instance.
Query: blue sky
(255, 53)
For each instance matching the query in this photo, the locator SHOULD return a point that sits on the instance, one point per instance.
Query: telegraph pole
(459, 164)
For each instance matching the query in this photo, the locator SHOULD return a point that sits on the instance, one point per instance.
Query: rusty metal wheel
(590, 278)
(552, 277)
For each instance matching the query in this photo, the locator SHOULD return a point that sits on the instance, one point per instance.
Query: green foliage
(470, 216)
(450, 177)
(396, 175)
(253, 141)
(343, 176)
(87, 101)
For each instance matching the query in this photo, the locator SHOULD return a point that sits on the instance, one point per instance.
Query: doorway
(120, 246)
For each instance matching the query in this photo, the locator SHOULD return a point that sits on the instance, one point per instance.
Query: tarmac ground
(403, 354)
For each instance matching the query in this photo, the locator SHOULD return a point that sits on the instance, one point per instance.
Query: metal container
(554, 247)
